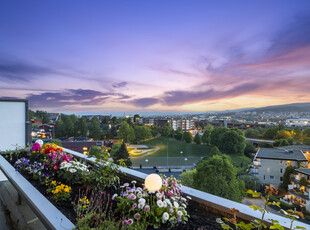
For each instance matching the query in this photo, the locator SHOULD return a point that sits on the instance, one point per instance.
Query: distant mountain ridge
(294, 107)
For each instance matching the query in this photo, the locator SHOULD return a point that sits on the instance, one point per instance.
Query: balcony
(253, 171)
(257, 163)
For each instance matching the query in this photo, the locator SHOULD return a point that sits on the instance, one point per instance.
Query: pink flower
(36, 147)
(137, 215)
(147, 208)
(134, 206)
(130, 221)
(132, 196)
(124, 222)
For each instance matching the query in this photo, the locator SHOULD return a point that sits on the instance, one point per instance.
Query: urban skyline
(81, 56)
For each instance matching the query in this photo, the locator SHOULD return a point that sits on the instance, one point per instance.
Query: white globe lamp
(40, 142)
(153, 182)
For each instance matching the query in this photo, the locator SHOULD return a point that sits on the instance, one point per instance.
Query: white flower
(133, 182)
(126, 184)
(184, 199)
(176, 204)
(40, 142)
(160, 203)
(114, 196)
(165, 204)
(165, 216)
(180, 213)
(184, 205)
(72, 170)
(140, 205)
(159, 195)
(141, 200)
(139, 189)
(168, 202)
(139, 195)
(188, 197)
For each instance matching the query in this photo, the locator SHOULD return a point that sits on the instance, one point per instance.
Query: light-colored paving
(260, 203)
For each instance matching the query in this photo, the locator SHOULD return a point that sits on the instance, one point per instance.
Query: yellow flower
(84, 206)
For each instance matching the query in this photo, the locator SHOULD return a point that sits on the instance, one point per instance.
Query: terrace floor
(4, 223)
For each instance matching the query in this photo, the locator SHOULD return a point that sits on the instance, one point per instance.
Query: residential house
(269, 164)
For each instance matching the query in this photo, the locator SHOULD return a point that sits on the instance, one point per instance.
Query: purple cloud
(145, 102)
(120, 84)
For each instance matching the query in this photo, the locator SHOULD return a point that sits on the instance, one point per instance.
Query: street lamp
(146, 160)
(181, 152)
(153, 182)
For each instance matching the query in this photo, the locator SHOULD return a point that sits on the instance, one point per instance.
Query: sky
(120, 56)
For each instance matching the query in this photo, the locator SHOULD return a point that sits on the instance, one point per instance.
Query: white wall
(12, 125)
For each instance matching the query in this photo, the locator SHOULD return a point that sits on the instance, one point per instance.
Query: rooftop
(303, 148)
(281, 154)
(304, 171)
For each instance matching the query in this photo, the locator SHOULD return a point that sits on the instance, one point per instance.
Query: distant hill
(295, 107)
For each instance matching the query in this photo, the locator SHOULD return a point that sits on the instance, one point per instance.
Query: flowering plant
(61, 192)
(73, 171)
(166, 206)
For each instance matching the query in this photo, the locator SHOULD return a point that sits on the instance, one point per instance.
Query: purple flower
(137, 215)
(36, 147)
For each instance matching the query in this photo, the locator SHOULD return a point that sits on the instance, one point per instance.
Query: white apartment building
(186, 125)
(300, 122)
(269, 164)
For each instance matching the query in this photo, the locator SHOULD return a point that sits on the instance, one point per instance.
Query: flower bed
(95, 196)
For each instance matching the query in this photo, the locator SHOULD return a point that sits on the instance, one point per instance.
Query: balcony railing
(257, 163)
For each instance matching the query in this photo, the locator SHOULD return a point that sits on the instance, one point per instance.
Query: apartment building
(186, 125)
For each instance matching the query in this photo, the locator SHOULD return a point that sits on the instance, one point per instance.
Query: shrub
(187, 177)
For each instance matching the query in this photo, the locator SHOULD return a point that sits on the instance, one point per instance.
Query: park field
(179, 154)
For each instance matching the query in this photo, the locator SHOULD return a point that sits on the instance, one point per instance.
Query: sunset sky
(170, 55)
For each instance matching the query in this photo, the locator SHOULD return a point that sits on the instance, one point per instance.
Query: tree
(216, 175)
(98, 152)
(136, 117)
(251, 133)
(69, 125)
(59, 129)
(270, 133)
(306, 132)
(281, 142)
(187, 177)
(207, 133)
(249, 149)
(81, 127)
(215, 151)
(178, 134)
(45, 118)
(122, 153)
(115, 148)
(250, 182)
(287, 176)
(303, 182)
(283, 134)
(230, 141)
(155, 130)
(306, 141)
(142, 133)
(94, 128)
(187, 137)
(166, 130)
(197, 139)
(126, 132)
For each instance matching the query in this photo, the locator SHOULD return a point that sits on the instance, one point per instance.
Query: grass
(192, 153)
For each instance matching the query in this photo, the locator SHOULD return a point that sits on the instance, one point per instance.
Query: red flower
(55, 167)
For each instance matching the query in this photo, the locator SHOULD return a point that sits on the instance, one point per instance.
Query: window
(281, 162)
(268, 169)
(84, 148)
(281, 170)
(264, 177)
(271, 177)
(281, 178)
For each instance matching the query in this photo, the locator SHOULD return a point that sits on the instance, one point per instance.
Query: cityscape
(154, 115)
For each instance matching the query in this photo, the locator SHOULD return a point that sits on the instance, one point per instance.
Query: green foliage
(114, 149)
(126, 132)
(187, 177)
(250, 182)
(216, 175)
(251, 133)
(197, 139)
(306, 141)
(166, 130)
(155, 130)
(287, 176)
(249, 149)
(56, 142)
(215, 151)
(99, 152)
(206, 134)
(136, 117)
(265, 145)
(122, 153)
(46, 118)
(178, 134)
(60, 129)
(82, 127)
(283, 134)
(303, 182)
(142, 133)
(306, 132)
(69, 125)
(94, 129)
(281, 142)
(187, 137)
(271, 133)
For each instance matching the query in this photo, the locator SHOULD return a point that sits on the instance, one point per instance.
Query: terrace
(30, 209)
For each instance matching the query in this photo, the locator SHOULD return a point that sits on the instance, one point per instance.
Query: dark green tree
(306, 132)
(306, 141)
(155, 130)
(251, 133)
(59, 129)
(142, 133)
(216, 175)
(271, 133)
(287, 176)
(178, 134)
(187, 137)
(82, 127)
(136, 117)
(303, 182)
(115, 148)
(45, 118)
(94, 128)
(215, 151)
(69, 125)
(122, 153)
(197, 139)
(249, 149)
(217, 136)
(166, 130)
(126, 132)
(207, 133)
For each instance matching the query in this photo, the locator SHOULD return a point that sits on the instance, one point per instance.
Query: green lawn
(192, 153)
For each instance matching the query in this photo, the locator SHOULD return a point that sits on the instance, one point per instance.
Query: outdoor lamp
(40, 142)
(153, 182)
